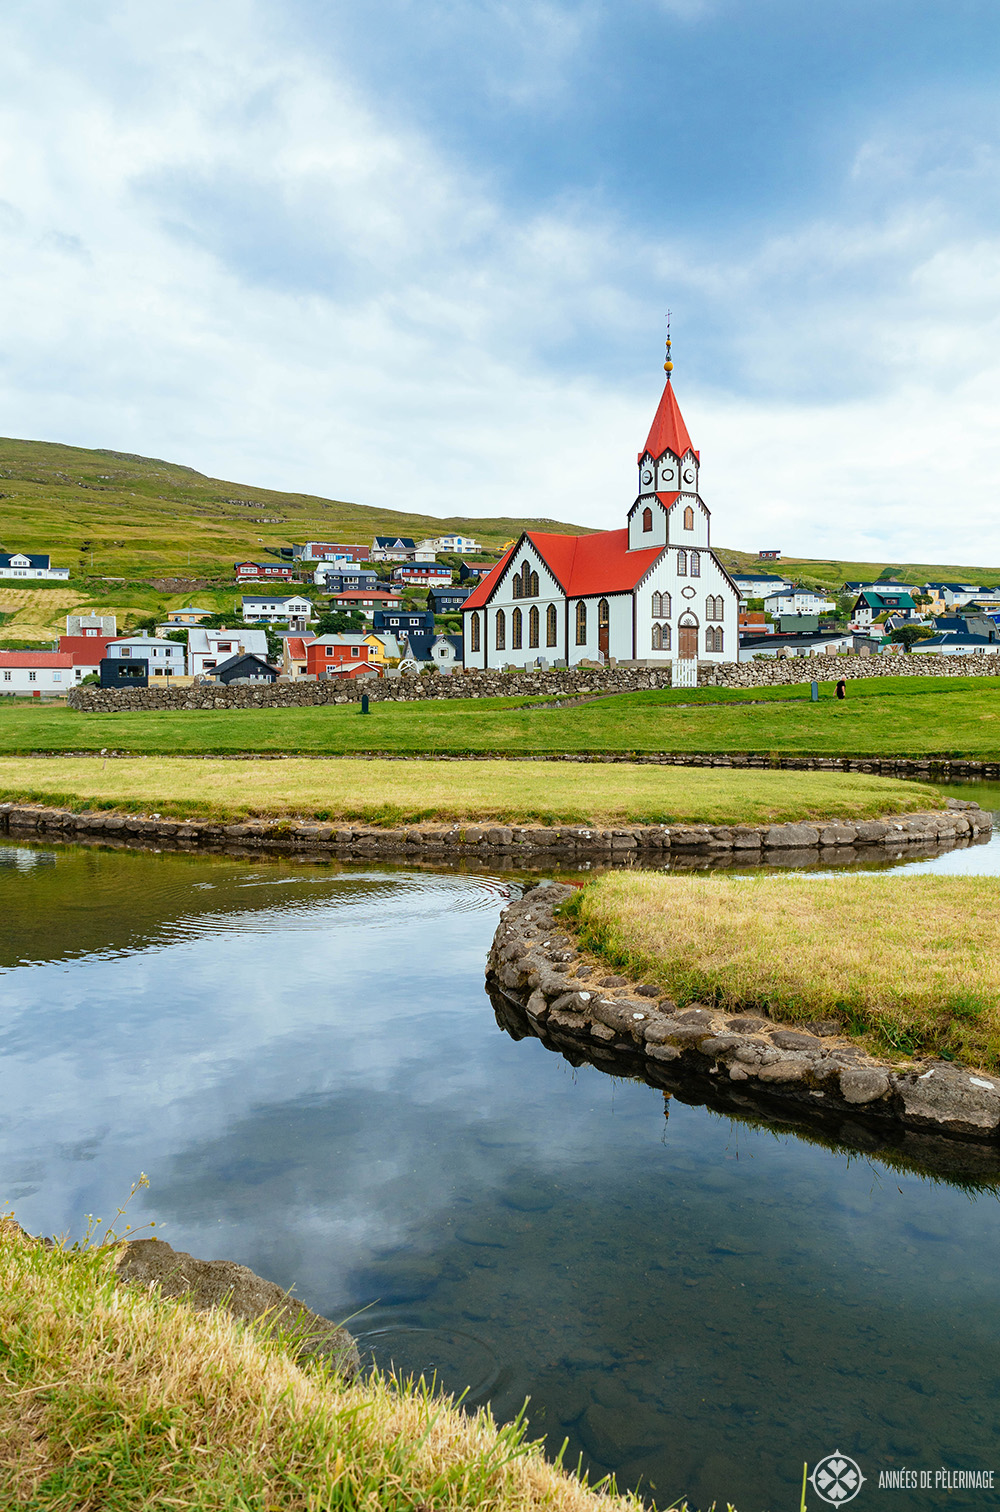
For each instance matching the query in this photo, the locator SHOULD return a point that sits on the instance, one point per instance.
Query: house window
(474, 632)
(551, 625)
(32, 676)
(682, 564)
(57, 677)
(125, 650)
(329, 650)
(533, 625)
(689, 518)
(6, 677)
(647, 521)
(209, 662)
(695, 564)
(501, 630)
(581, 624)
(515, 630)
(355, 650)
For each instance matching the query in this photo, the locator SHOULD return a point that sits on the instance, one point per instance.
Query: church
(653, 592)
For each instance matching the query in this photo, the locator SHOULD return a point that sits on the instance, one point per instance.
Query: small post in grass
(814, 686)
(364, 703)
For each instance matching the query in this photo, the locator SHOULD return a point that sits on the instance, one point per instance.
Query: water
(303, 1060)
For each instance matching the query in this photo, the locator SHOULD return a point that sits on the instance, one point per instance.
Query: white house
(757, 585)
(166, 658)
(92, 625)
(454, 543)
(35, 672)
(22, 564)
(262, 609)
(208, 648)
(797, 601)
(653, 592)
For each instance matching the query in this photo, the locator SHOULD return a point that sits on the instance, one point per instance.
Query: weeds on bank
(114, 1397)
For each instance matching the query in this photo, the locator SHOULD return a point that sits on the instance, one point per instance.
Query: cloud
(225, 251)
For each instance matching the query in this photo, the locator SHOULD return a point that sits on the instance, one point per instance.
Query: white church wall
(639, 538)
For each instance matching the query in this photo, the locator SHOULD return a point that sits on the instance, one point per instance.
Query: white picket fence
(684, 672)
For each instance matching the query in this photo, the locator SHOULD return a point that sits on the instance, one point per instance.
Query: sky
(418, 253)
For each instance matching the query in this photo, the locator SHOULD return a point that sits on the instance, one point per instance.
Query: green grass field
(881, 717)
(395, 792)
(106, 512)
(910, 964)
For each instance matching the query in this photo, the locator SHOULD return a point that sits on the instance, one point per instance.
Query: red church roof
(582, 565)
(668, 431)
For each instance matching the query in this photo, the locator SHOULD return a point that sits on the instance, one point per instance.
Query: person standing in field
(842, 688)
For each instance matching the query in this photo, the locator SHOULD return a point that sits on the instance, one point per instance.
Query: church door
(603, 628)
(687, 638)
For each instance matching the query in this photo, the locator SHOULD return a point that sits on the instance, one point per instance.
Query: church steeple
(668, 468)
(668, 431)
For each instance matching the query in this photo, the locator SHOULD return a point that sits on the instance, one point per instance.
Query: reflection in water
(304, 1061)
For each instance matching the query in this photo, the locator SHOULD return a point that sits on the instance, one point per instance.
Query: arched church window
(664, 637)
(515, 585)
(501, 630)
(474, 632)
(515, 630)
(533, 585)
(551, 625)
(689, 518)
(656, 637)
(657, 600)
(533, 620)
(647, 520)
(603, 615)
(581, 623)
(682, 564)
(695, 564)
(661, 605)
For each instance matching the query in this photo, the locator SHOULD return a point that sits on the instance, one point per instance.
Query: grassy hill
(816, 573)
(141, 535)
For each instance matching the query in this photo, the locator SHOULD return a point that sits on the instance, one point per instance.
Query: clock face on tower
(647, 476)
(689, 474)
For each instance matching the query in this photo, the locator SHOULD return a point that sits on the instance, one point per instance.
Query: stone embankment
(960, 823)
(554, 682)
(575, 1005)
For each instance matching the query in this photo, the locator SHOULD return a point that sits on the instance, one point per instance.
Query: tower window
(515, 630)
(551, 625)
(501, 630)
(689, 518)
(647, 520)
(581, 624)
(533, 625)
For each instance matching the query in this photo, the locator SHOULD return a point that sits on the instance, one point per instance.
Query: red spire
(668, 431)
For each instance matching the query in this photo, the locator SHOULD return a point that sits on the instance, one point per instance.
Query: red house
(253, 571)
(340, 654)
(86, 651)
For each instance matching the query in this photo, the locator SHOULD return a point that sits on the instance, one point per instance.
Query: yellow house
(382, 647)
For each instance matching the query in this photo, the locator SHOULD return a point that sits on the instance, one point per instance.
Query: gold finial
(668, 366)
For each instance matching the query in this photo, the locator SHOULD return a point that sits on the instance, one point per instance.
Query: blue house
(448, 600)
(402, 621)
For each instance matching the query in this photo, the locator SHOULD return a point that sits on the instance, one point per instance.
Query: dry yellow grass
(913, 963)
(113, 1397)
(40, 612)
(406, 791)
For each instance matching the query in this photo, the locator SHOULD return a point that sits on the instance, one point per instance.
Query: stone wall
(573, 1004)
(961, 823)
(555, 682)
